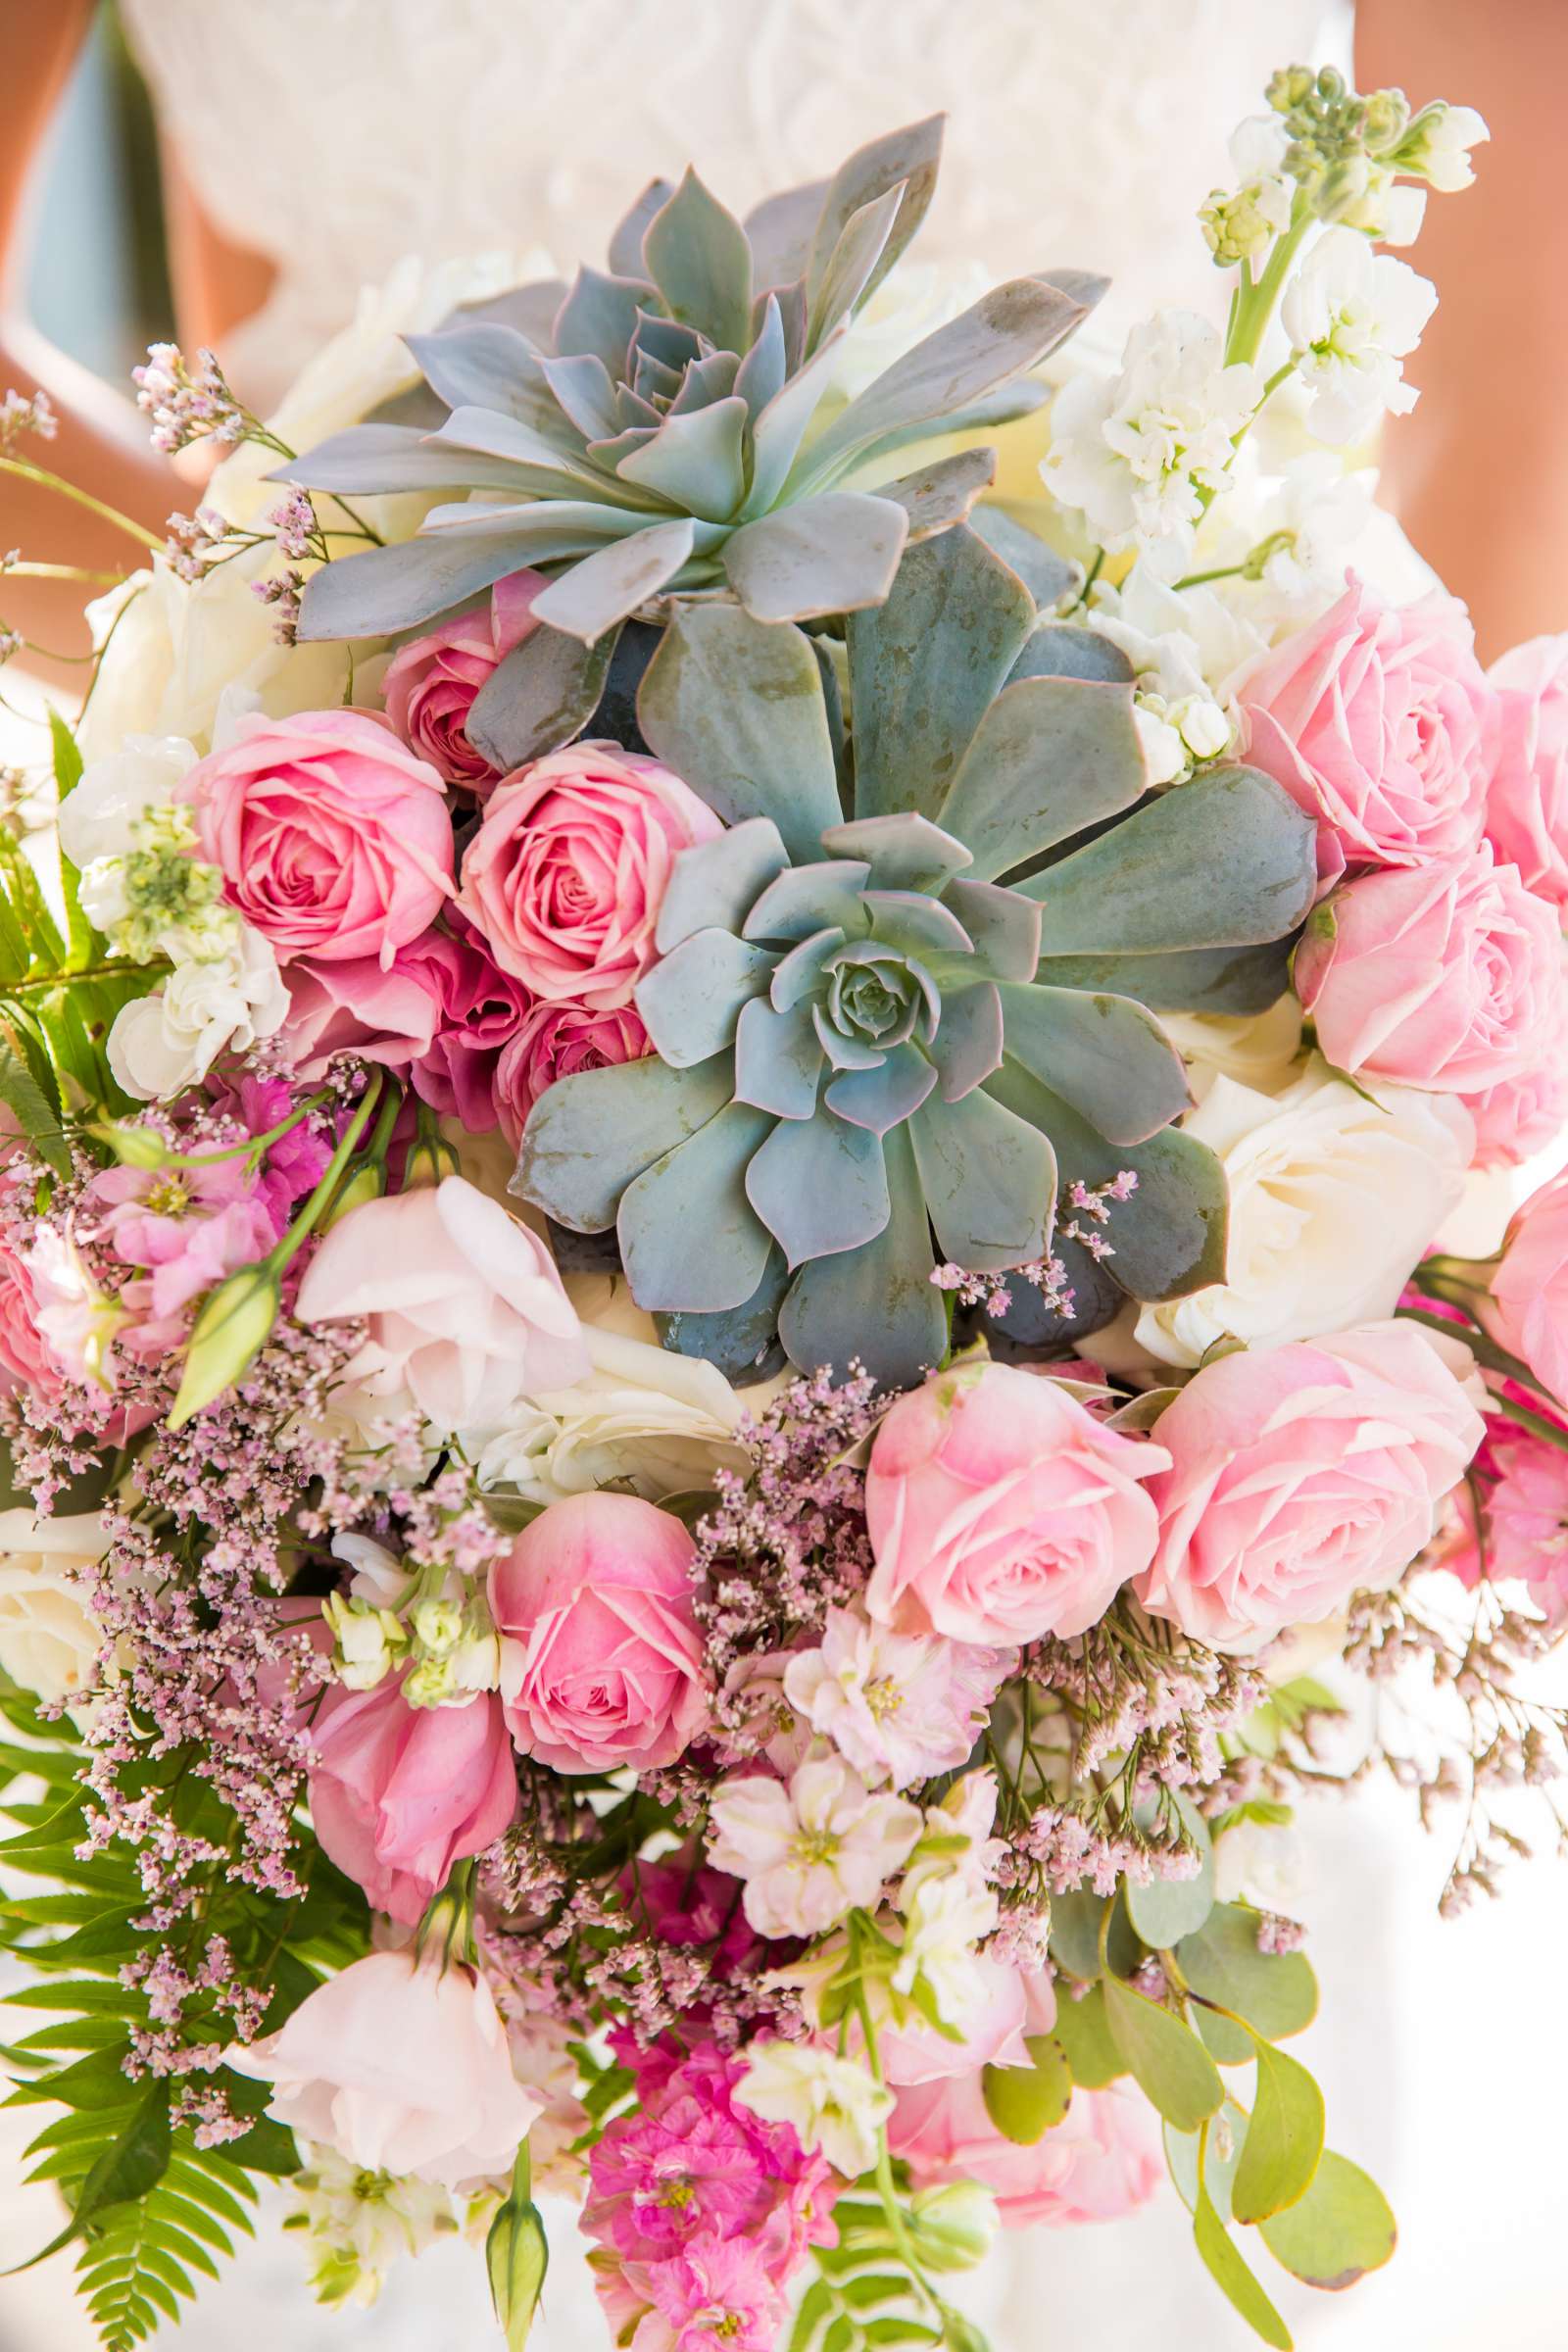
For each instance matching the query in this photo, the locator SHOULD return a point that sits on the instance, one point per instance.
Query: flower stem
(82, 498)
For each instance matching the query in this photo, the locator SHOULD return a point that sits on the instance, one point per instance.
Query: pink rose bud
(399, 1793)
(1378, 721)
(1527, 1311)
(334, 840)
(1527, 805)
(566, 872)
(1446, 976)
(1299, 1475)
(603, 1664)
(1099, 2163)
(1000, 1510)
(431, 685)
(555, 1040)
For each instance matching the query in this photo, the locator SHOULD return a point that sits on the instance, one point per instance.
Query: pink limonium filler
(1446, 976)
(1379, 722)
(1526, 1308)
(600, 1657)
(402, 2067)
(465, 1308)
(1527, 802)
(566, 874)
(334, 840)
(400, 1793)
(556, 1041)
(1101, 2163)
(902, 1707)
(812, 1851)
(1299, 1475)
(1002, 1510)
(431, 684)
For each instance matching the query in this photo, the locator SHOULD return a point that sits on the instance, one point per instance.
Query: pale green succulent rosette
(907, 994)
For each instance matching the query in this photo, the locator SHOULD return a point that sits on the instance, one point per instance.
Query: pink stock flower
(713, 2296)
(902, 1707)
(442, 1011)
(1099, 2164)
(1000, 1510)
(556, 1041)
(400, 2068)
(26, 1360)
(566, 872)
(1527, 805)
(1378, 721)
(814, 1851)
(1300, 1475)
(1448, 976)
(1524, 1521)
(335, 841)
(466, 1310)
(686, 1905)
(183, 1230)
(430, 685)
(399, 1793)
(1527, 1308)
(602, 1663)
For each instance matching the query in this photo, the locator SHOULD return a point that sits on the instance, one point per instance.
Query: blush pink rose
(431, 685)
(1527, 805)
(402, 2066)
(333, 839)
(1379, 722)
(566, 872)
(399, 1793)
(442, 1011)
(1300, 1475)
(1526, 1309)
(465, 1308)
(26, 1360)
(1446, 976)
(1099, 2164)
(602, 1661)
(555, 1040)
(1000, 1510)
(1519, 1116)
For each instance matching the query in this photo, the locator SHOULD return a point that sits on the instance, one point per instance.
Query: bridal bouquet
(730, 1090)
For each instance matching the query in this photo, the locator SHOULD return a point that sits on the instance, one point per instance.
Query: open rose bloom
(733, 1162)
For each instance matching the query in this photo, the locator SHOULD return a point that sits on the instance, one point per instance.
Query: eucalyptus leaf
(1339, 2230)
(1232, 2276)
(1024, 2102)
(1284, 2137)
(1164, 1910)
(1082, 2029)
(538, 697)
(1164, 2056)
(1276, 1992)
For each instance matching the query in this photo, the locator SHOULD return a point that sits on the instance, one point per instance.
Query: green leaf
(67, 757)
(1166, 1909)
(1185, 2149)
(1342, 2229)
(1232, 2276)
(1164, 2056)
(1276, 1992)
(1025, 2101)
(1085, 2037)
(1283, 2138)
(1075, 1933)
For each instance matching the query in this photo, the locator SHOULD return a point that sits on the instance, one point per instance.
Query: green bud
(1387, 116)
(438, 1626)
(1289, 89)
(517, 2256)
(430, 1160)
(955, 2226)
(233, 1327)
(132, 1146)
(365, 1184)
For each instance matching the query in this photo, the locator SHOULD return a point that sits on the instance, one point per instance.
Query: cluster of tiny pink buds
(1276, 1934)
(193, 540)
(186, 403)
(282, 593)
(294, 526)
(10, 644)
(990, 1291)
(26, 413)
(1094, 1204)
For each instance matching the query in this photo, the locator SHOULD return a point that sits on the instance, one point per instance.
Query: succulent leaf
(820, 1186)
(1048, 758)
(539, 696)
(905, 160)
(988, 1178)
(1105, 1055)
(844, 549)
(877, 1302)
(589, 1136)
(689, 1237)
(696, 254)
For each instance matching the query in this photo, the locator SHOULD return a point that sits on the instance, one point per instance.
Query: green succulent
(654, 430)
(908, 991)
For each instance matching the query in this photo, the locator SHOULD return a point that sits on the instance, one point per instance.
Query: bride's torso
(335, 136)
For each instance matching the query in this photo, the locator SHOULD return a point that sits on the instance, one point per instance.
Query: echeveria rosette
(656, 428)
(923, 1015)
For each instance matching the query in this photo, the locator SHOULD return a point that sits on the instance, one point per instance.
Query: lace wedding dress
(336, 136)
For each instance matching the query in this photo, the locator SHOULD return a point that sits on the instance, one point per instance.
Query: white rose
(660, 1422)
(161, 1043)
(49, 1637)
(1332, 1198)
(1259, 1050)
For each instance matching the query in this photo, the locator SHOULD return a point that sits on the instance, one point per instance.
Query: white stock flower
(659, 1422)
(1353, 316)
(49, 1637)
(1333, 1198)
(810, 1853)
(1137, 451)
(830, 2103)
(902, 1707)
(1241, 224)
(1438, 146)
(100, 817)
(945, 1919)
(164, 1042)
(357, 2222)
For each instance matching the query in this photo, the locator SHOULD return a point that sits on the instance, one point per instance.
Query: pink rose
(399, 1793)
(603, 1664)
(430, 686)
(1446, 976)
(26, 1360)
(1000, 1510)
(402, 2067)
(1527, 805)
(1379, 723)
(1524, 1492)
(566, 874)
(553, 1041)
(991, 2034)
(335, 841)
(442, 1011)
(1300, 1475)
(466, 1311)
(1527, 1310)
(1520, 1115)
(1099, 2164)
